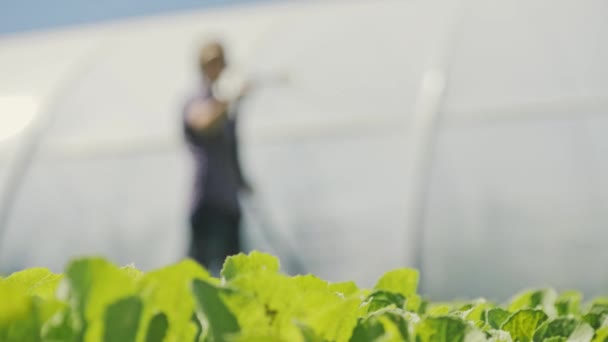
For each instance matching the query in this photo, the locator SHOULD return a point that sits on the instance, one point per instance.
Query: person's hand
(231, 86)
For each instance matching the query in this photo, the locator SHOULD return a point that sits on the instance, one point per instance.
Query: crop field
(95, 300)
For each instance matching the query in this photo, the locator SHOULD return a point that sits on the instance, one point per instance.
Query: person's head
(212, 60)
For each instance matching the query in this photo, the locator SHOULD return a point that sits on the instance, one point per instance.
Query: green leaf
(601, 335)
(200, 334)
(60, 327)
(477, 313)
(122, 320)
(556, 339)
(563, 327)
(424, 305)
(568, 302)
(394, 330)
(438, 309)
(256, 338)
(599, 306)
(132, 272)
(267, 303)
(94, 284)
(346, 288)
(308, 334)
(583, 333)
(221, 321)
(335, 322)
(522, 324)
(384, 325)
(16, 304)
(41, 284)
(18, 317)
(367, 330)
(442, 329)
(253, 262)
(157, 329)
(36, 281)
(168, 291)
(543, 299)
(414, 303)
(498, 336)
(497, 316)
(383, 299)
(598, 313)
(310, 282)
(403, 281)
(593, 319)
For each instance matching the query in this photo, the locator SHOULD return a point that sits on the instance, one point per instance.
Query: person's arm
(207, 116)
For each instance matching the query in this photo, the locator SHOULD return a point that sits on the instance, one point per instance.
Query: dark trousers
(215, 235)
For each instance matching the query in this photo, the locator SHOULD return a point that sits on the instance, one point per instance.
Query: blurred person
(210, 130)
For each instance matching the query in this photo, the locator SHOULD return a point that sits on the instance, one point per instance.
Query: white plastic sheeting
(519, 193)
(516, 196)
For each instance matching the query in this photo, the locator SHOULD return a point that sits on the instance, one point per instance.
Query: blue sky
(30, 15)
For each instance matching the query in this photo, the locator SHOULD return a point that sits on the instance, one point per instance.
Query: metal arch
(422, 136)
